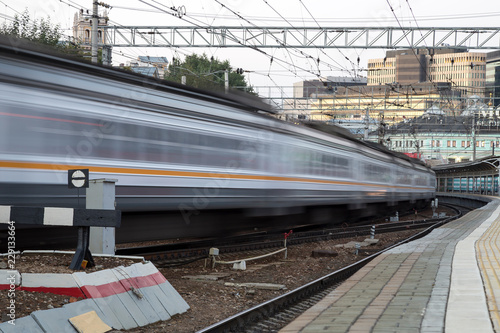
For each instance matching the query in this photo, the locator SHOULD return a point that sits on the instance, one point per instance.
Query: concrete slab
(54, 320)
(169, 297)
(135, 296)
(171, 300)
(102, 287)
(164, 299)
(152, 294)
(267, 286)
(112, 307)
(132, 308)
(25, 325)
(201, 277)
(88, 305)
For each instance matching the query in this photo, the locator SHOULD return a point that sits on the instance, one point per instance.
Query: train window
(248, 155)
(403, 177)
(343, 167)
(376, 173)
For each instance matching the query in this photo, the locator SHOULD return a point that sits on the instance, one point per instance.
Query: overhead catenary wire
(273, 57)
(183, 17)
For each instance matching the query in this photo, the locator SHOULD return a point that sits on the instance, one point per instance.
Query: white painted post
(101, 195)
(226, 80)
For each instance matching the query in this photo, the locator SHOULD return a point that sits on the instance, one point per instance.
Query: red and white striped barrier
(138, 293)
(60, 284)
(123, 297)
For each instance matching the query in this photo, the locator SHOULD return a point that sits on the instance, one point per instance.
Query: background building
(390, 103)
(438, 138)
(151, 66)
(493, 76)
(465, 71)
(82, 28)
(312, 88)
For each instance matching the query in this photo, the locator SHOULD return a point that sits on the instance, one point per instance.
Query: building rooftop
(434, 123)
(149, 71)
(153, 60)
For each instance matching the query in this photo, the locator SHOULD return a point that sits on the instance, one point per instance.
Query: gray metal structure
(478, 38)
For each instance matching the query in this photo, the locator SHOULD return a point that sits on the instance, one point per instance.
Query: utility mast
(367, 123)
(94, 46)
(95, 22)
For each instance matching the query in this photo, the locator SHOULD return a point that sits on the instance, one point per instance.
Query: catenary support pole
(95, 21)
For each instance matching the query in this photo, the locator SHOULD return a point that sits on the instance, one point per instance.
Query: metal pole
(367, 124)
(226, 80)
(95, 20)
(474, 137)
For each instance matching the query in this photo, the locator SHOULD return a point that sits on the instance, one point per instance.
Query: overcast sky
(299, 13)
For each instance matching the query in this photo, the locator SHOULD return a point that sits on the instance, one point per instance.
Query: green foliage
(43, 32)
(40, 31)
(204, 73)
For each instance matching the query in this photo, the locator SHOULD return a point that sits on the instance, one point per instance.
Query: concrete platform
(447, 281)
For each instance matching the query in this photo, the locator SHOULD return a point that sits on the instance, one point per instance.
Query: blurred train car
(179, 149)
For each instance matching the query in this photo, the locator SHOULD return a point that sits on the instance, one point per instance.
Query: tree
(43, 32)
(204, 73)
(40, 31)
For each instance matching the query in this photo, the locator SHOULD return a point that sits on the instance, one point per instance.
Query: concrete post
(226, 80)
(95, 24)
(101, 195)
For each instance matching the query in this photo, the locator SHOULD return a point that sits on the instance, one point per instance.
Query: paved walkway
(433, 284)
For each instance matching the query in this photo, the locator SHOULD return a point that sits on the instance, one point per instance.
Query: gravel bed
(209, 301)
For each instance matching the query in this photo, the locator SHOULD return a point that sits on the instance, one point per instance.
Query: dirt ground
(210, 300)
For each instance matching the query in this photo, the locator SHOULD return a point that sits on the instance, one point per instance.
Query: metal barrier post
(101, 195)
(82, 250)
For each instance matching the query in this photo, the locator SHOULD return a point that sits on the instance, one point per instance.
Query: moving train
(176, 148)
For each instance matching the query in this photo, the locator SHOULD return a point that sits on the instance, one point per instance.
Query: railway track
(175, 254)
(276, 313)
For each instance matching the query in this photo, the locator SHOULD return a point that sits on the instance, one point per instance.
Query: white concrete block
(7, 277)
(242, 265)
(48, 280)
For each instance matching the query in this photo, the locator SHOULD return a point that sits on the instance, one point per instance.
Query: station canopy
(487, 165)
